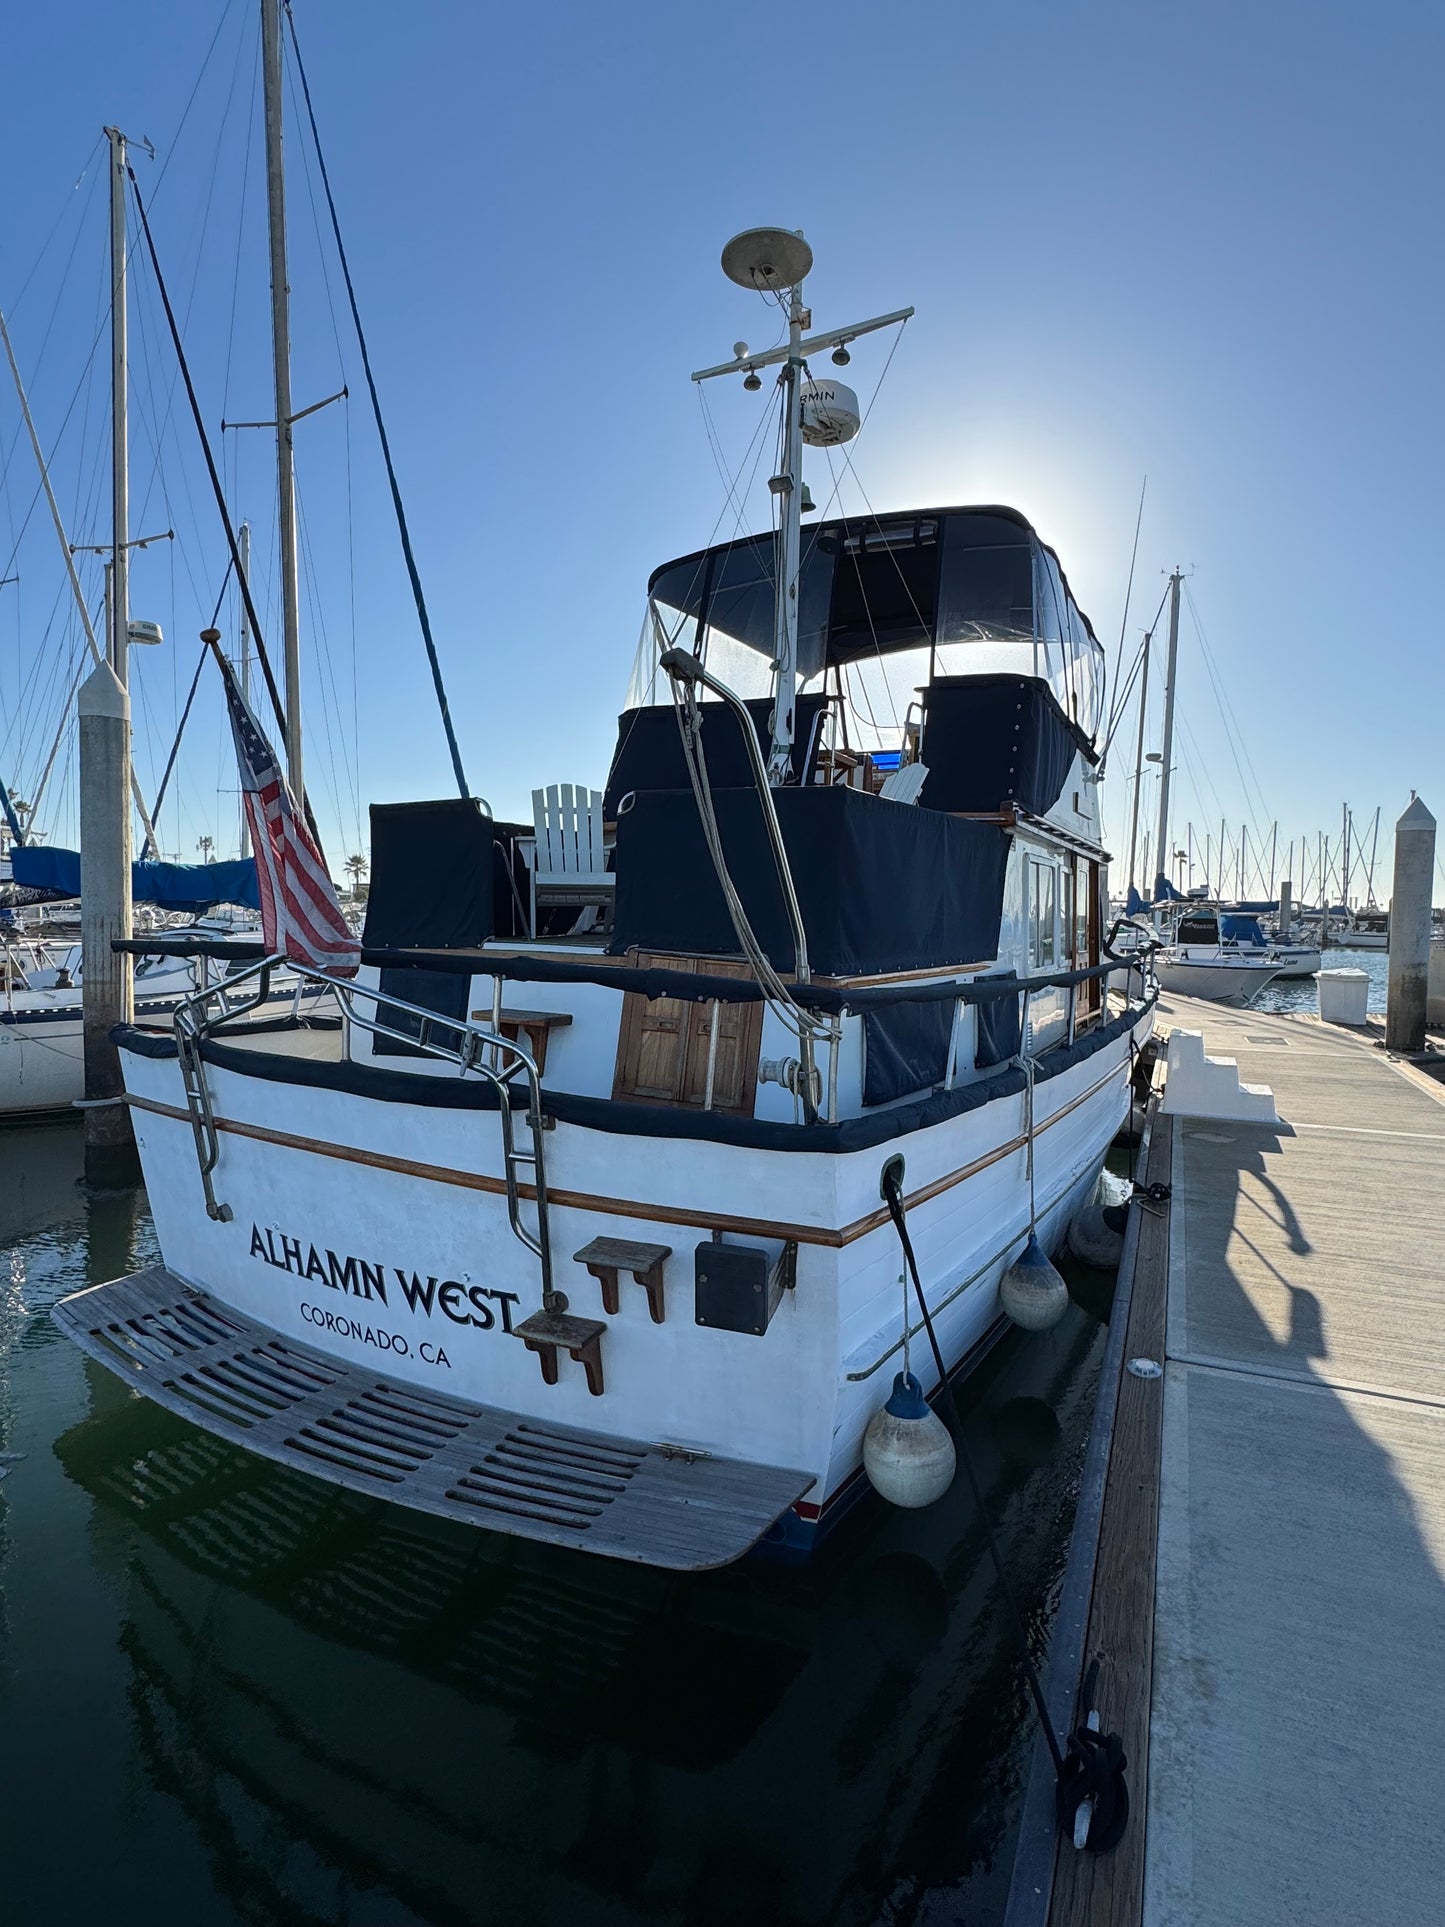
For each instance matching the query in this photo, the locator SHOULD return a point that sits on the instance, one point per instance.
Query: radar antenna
(776, 261)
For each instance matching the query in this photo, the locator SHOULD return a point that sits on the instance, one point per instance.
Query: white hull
(413, 1195)
(1217, 981)
(1296, 961)
(42, 1043)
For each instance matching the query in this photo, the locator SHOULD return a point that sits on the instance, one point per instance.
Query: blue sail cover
(169, 886)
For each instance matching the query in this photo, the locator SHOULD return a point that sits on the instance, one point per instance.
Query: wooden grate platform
(653, 1504)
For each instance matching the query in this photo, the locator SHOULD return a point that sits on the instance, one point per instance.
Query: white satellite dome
(830, 413)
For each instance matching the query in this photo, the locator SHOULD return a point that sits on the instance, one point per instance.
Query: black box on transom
(734, 1290)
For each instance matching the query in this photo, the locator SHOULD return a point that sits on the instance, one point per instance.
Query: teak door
(662, 1048)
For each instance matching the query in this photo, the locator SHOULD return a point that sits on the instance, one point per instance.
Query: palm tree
(356, 868)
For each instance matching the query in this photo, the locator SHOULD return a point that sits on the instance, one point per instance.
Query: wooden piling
(105, 914)
(1410, 929)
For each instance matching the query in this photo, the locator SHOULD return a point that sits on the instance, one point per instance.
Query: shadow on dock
(1299, 1646)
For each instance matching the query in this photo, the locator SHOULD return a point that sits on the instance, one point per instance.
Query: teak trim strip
(627, 1207)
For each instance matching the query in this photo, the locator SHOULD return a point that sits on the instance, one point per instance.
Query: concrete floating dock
(1278, 1672)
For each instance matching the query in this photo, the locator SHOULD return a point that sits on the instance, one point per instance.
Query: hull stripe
(630, 1207)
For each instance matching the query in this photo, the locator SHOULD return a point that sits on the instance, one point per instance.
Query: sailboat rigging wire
(1129, 586)
(216, 489)
(1116, 716)
(149, 848)
(1227, 716)
(240, 236)
(56, 225)
(191, 97)
(401, 522)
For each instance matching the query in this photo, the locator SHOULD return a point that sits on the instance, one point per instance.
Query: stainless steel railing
(499, 1060)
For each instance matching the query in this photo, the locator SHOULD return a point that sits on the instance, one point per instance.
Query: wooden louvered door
(662, 1049)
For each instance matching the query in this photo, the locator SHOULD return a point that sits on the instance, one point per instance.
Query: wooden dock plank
(1105, 1890)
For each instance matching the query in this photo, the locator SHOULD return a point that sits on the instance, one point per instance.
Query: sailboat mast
(118, 635)
(281, 360)
(1139, 762)
(243, 544)
(1161, 853)
(1345, 855)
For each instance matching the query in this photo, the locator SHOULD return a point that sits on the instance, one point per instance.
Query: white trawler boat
(578, 1228)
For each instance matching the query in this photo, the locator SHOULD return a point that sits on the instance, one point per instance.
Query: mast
(281, 360)
(243, 543)
(1139, 761)
(1345, 855)
(119, 602)
(1161, 854)
(1370, 873)
(776, 262)
(789, 488)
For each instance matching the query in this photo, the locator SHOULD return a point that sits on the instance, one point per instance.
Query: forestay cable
(401, 523)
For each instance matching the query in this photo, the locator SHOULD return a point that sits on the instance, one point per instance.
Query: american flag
(300, 916)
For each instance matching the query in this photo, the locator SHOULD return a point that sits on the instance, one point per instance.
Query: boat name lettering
(372, 1335)
(478, 1305)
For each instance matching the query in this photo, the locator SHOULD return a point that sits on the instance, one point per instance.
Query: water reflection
(312, 1707)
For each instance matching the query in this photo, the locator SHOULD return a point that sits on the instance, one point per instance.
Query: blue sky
(1197, 243)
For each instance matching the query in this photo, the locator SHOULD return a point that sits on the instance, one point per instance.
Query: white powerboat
(1223, 978)
(596, 1238)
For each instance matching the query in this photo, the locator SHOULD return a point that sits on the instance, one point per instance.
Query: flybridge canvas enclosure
(882, 886)
(974, 586)
(991, 740)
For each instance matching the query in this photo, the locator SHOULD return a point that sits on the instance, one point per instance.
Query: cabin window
(1043, 905)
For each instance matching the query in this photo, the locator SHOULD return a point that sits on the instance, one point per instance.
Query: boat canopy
(975, 588)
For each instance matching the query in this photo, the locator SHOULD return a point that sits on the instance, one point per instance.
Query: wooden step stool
(548, 1332)
(606, 1257)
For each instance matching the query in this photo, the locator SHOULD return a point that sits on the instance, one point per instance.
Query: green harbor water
(229, 1693)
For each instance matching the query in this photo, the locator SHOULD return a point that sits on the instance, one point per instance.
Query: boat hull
(1216, 982)
(1296, 962)
(377, 1232)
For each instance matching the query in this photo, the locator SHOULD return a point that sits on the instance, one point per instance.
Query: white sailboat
(622, 1273)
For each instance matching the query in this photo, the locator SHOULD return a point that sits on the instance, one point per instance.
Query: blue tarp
(170, 886)
(1240, 929)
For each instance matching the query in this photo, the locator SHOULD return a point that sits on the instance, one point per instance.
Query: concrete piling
(1410, 929)
(105, 914)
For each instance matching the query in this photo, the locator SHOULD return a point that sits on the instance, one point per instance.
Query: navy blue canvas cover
(190, 887)
(994, 740)
(432, 886)
(649, 747)
(905, 1050)
(882, 886)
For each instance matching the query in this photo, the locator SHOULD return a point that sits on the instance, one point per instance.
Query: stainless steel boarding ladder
(497, 1059)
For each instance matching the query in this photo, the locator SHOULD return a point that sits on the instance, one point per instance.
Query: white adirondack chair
(568, 863)
(903, 785)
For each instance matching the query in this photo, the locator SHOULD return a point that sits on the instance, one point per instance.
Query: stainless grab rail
(488, 1053)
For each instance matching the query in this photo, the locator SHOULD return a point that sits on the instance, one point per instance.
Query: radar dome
(830, 413)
